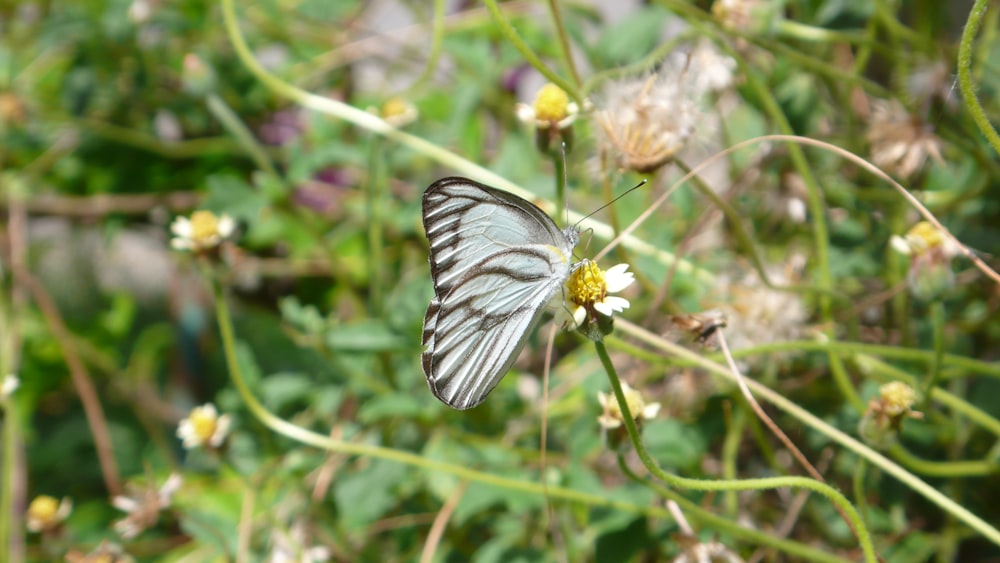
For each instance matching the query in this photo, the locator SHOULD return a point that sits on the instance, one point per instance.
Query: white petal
(603, 308)
(617, 279)
(650, 410)
(181, 227)
(125, 504)
(525, 113)
(608, 422)
(579, 315)
(900, 245)
(226, 226)
(615, 304)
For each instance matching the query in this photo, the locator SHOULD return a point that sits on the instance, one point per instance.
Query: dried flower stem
(807, 418)
(440, 521)
(839, 500)
(81, 380)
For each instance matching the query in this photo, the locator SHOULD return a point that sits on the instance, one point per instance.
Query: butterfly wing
(496, 261)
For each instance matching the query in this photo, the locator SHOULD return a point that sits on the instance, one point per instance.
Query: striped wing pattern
(496, 261)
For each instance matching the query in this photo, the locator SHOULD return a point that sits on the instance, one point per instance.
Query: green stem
(511, 34)
(858, 486)
(365, 120)
(232, 123)
(937, 324)
(707, 519)
(320, 441)
(965, 74)
(375, 201)
(437, 44)
(810, 420)
(943, 469)
(730, 451)
(567, 50)
(728, 485)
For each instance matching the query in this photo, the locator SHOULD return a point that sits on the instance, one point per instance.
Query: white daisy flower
(204, 427)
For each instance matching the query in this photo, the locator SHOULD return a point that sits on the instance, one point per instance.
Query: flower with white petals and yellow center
(552, 108)
(45, 513)
(204, 427)
(588, 289)
(397, 112)
(612, 416)
(202, 232)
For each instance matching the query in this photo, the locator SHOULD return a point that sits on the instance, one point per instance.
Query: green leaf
(674, 444)
(367, 495)
(364, 336)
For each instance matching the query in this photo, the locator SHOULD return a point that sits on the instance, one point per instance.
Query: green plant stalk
(326, 443)
(934, 376)
(707, 519)
(190, 148)
(559, 160)
(858, 487)
(567, 50)
(730, 451)
(232, 123)
(965, 75)
(943, 469)
(8, 520)
(807, 418)
(437, 44)
(863, 355)
(733, 218)
(910, 354)
(365, 120)
(375, 201)
(864, 538)
(803, 32)
(510, 33)
(817, 209)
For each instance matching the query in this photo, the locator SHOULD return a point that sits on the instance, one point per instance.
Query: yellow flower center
(394, 106)
(586, 284)
(551, 104)
(923, 236)
(204, 424)
(204, 226)
(44, 509)
(897, 398)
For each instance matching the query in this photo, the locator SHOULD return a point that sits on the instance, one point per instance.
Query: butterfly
(496, 261)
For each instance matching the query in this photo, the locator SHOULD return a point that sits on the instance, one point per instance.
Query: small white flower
(396, 112)
(46, 513)
(143, 505)
(10, 384)
(203, 427)
(589, 288)
(612, 416)
(922, 238)
(203, 231)
(552, 108)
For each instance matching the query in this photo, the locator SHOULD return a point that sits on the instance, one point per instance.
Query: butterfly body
(496, 262)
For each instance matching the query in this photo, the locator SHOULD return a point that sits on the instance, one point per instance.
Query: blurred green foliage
(117, 116)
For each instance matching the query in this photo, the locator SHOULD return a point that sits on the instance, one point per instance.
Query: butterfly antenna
(610, 203)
